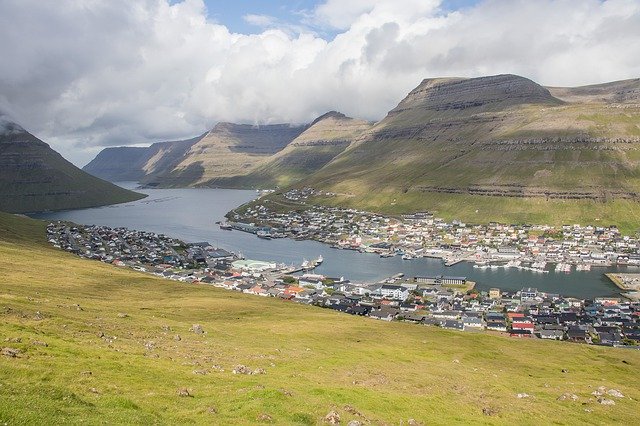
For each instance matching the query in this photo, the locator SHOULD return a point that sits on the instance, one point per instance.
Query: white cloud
(85, 74)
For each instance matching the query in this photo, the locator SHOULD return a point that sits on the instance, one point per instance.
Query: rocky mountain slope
(225, 153)
(326, 137)
(457, 145)
(34, 177)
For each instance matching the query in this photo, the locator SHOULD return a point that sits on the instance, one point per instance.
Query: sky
(87, 74)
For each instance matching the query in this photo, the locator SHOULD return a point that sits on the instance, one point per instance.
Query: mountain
(34, 177)
(125, 163)
(500, 147)
(234, 155)
(226, 152)
(326, 137)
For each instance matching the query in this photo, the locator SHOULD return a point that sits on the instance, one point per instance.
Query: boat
(225, 226)
(319, 260)
(264, 235)
(406, 257)
(307, 266)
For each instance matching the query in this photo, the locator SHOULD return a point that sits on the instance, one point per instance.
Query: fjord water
(190, 214)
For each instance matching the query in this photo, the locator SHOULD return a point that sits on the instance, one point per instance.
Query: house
(445, 315)
(520, 333)
(522, 324)
(576, 334)
(472, 322)
(551, 334)
(384, 314)
(453, 325)
(359, 310)
(496, 325)
(609, 338)
(528, 294)
(412, 317)
(392, 291)
(494, 293)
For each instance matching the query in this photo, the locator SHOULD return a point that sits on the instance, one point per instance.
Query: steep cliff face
(33, 177)
(120, 164)
(461, 95)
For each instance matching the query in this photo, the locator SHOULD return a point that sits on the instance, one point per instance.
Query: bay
(190, 215)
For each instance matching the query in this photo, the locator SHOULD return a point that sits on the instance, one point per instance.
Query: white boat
(319, 260)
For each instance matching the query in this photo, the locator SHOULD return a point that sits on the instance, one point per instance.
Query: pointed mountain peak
(8, 126)
(331, 114)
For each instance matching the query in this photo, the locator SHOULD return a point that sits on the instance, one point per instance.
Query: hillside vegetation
(499, 148)
(97, 345)
(34, 177)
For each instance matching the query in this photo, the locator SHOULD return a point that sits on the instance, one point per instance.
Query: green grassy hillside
(502, 146)
(111, 357)
(34, 177)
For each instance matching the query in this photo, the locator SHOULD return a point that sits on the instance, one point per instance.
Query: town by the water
(446, 301)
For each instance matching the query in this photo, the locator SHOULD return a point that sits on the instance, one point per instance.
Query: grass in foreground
(315, 360)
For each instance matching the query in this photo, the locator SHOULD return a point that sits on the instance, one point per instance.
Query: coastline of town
(536, 248)
(445, 301)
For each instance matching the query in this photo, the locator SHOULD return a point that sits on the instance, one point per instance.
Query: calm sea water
(190, 214)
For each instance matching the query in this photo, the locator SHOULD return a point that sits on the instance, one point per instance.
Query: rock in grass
(523, 395)
(13, 339)
(488, 411)
(264, 418)
(333, 418)
(600, 391)
(242, 369)
(568, 397)
(184, 392)
(605, 401)
(122, 315)
(10, 352)
(39, 343)
(197, 329)
(351, 410)
(615, 392)
(354, 423)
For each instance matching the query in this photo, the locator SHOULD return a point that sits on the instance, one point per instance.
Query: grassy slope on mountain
(226, 152)
(327, 136)
(33, 177)
(510, 138)
(315, 360)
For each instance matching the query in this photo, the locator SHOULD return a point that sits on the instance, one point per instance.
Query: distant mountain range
(34, 177)
(233, 155)
(491, 147)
